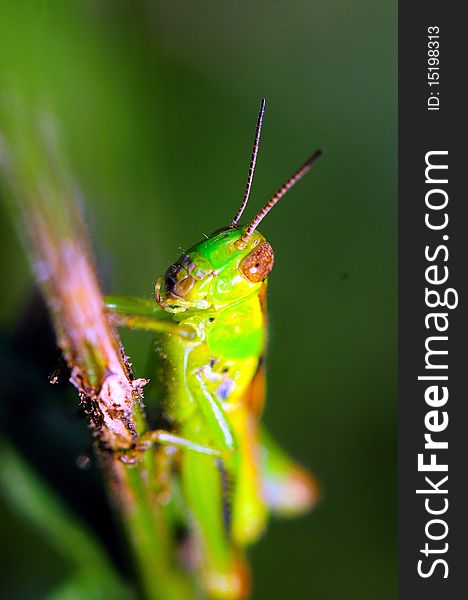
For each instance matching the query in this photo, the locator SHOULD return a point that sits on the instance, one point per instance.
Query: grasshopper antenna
(279, 194)
(253, 161)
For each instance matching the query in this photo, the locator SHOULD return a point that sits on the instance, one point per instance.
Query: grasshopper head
(218, 271)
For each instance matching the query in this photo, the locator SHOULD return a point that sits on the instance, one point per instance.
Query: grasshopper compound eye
(178, 281)
(257, 265)
(180, 277)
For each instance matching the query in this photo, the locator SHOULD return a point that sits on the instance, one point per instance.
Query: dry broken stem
(44, 208)
(99, 369)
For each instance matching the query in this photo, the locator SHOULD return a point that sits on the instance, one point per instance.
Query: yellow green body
(210, 339)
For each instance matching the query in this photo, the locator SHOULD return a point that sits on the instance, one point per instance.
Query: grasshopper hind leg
(288, 488)
(269, 481)
(226, 494)
(221, 564)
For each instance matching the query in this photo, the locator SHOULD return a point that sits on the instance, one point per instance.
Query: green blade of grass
(33, 500)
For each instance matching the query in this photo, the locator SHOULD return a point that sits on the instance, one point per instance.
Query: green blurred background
(156, 104)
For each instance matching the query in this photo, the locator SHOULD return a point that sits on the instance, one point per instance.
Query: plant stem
(44, 207)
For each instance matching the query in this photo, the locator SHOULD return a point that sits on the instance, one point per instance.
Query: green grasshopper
(209, 320)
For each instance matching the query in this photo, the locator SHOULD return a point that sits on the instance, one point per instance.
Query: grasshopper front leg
(164, 438)
(140, 313)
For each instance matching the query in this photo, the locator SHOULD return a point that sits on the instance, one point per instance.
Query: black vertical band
(433, 271)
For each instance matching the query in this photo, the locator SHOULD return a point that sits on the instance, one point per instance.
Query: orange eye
(257, 265)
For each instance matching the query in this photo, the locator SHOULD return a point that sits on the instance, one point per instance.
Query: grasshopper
(209, 321)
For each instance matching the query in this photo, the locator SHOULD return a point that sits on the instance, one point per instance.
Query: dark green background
(156, 104)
